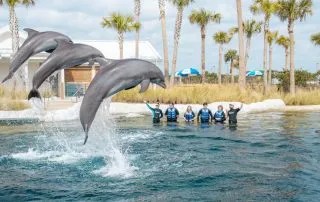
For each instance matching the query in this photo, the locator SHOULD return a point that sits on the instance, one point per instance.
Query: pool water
(269, 157)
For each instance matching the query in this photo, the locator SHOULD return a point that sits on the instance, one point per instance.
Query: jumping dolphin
(36, 42)
(67, 54)
(115, 76)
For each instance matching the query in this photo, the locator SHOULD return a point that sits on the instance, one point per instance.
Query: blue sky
(81, 20)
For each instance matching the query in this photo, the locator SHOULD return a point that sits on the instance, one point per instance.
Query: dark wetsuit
(156, 114)
(172, 114)
(205, 115)
(232, 114)
(189, 116)
(219, 117)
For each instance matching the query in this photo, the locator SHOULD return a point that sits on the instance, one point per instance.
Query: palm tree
(291, 11)
(250, 27)
(271, 37)
(121, 23)
(221, 38)
(162, 9)
(14, 29)
(315, 38)
(267, 8)
(180, 4)
(285, 43)
(137, 9)
(203, 18)
(231, 56)
(242, 67)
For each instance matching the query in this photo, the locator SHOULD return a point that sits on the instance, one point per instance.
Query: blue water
(270, 157)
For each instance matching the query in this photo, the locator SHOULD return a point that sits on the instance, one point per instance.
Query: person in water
(189, 115)
(232, 114)
(219, 116)
(172, 113)
(156, 112)
(205, 114)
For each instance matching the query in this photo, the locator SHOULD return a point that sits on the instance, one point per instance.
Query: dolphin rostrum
(67, 54)
(36, 42)
(115, 76)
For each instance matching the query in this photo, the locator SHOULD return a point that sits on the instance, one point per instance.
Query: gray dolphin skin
(67, 54)
(115, 76)
(36, 42)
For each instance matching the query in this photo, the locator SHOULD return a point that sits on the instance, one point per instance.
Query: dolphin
(115, 76)
(36, 42)
(67, 54)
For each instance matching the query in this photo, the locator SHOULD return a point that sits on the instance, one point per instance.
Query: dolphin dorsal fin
(144, 85)
(31, 32)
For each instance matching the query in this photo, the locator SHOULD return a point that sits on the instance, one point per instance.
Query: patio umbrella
(187, 72)
(254, 73)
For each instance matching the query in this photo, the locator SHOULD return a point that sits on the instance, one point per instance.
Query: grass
(192, 94)
(10, 100)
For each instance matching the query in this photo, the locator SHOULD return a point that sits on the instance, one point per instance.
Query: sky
(80, 19)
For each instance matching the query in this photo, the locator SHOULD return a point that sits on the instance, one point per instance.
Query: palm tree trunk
(203, 53)
(120, 39)
(286, 67)
(231, 71)
(164, 40)
(265, 57)
(270, 67)
(137, 8)
(13, 41)
(176, 44)
(292, 67)
(248, 44)
(242, 68)
(220, 64)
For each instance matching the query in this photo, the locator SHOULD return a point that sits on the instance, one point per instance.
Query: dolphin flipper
(144, 85)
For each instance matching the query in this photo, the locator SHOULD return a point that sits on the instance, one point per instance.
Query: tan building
(70, 81)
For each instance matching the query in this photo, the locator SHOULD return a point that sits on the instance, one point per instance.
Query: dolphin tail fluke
(86, 137)
(34, 93)
(7, 78)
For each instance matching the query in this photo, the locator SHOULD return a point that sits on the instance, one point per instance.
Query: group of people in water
(204, 115)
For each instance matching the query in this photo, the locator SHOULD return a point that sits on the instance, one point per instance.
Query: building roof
(109, 48)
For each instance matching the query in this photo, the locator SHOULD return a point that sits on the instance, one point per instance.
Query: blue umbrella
(254, 73)
(187, 72)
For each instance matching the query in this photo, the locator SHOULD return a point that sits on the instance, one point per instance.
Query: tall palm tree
(267, 8)
(231, 56)
(315, 38)
(122, 24)
(14, 29)
(284, 41)
(221, 38)
(137, 10)
(271, 37)
(291, 11)
(180, 4)
(242, 67)
(203, 17)
(162, 9)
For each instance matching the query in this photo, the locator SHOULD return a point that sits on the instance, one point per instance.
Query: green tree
(137, 10)
(242, 67)
(181, 5)
(291, 11)
(221, 38)
(14, 29)
(231, 56)
(162, 9)
(203, 17)
(285, 43)
(267, 8)
(271, 37)
(315, 38)
(122, 24)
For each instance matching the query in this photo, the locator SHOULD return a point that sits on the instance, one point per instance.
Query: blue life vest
(219, 116)
(189, 116)
(172, 114)
(205, 116)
